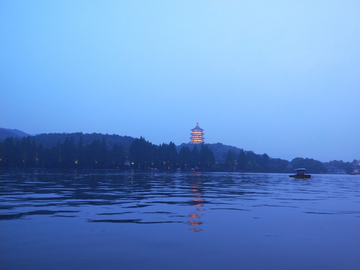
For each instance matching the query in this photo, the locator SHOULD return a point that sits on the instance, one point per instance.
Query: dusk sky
(275, 77)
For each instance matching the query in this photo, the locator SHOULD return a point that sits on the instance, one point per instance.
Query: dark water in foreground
(110, 220)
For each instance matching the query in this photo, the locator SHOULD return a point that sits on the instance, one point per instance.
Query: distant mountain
(7, 133)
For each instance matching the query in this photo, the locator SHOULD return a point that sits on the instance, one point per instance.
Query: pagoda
(197, 135)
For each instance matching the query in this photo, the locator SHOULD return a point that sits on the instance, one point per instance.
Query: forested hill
(51, 139)
(220, 150)
(6, 133)
(96, 150)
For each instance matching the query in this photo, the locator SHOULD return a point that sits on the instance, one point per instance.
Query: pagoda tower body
(197, 134)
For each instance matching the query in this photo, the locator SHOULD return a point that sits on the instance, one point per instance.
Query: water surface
(117, 220)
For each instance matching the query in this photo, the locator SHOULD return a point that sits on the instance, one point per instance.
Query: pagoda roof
(197, 127)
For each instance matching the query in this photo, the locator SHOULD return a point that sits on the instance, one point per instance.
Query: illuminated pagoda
(197, 135)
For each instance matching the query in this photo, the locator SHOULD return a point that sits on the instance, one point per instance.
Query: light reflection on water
(111, 220)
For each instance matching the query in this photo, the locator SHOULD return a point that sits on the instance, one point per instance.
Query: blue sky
(275, 77)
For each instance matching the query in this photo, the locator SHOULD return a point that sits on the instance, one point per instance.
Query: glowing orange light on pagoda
(194, 215)
(197, 134)
(194, 222)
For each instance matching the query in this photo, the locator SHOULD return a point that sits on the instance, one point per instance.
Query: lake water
(117, 220)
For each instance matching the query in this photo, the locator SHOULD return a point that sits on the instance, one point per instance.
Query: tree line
(248, 161)
(145, 155)
(140, 155)
(27, 154)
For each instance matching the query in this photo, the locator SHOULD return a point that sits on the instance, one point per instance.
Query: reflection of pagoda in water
(197, 202)
(197, 135)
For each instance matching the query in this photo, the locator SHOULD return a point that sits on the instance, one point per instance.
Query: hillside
(223, 154)
(220, 150)
(51, 139)
(5, 133)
